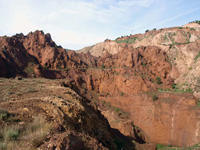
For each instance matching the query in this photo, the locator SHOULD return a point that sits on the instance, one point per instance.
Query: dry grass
(33, 133)
(8, 136)
(37, 131)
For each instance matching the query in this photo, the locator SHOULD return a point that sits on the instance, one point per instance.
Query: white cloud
(177, 16)
(22, 23)
(69, 37)
(77, 23)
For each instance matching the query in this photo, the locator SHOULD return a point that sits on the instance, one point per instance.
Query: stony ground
(40, 113)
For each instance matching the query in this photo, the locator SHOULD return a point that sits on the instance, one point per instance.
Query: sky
(74, 24)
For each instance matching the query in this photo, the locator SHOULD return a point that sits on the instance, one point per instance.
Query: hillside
(181, 45)
(145, 85)
(45, 114)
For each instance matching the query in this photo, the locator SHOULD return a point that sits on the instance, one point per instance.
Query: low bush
(120, 144)
(8, 136)
(163, 147)
(117, 110)
(11, 133)
(154, 97)
(196, 21)
(197, 56)
(102, 66)
(158, 80)
(3, 114)
(174, 86)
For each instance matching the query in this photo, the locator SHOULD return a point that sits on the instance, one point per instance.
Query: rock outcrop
(181, 44)
(105, 47)
(20, 54)
(150, 76)
(76, 123)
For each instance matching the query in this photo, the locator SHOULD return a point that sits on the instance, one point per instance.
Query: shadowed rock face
(14, 56)
(126, 75)
(38, 49)
(3, 68)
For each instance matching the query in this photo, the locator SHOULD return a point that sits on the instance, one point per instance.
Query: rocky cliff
(181, 45)
(149, 83)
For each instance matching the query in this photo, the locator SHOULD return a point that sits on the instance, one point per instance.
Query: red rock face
(129, 72)
(170, 120)
(38, 48)
(46, 51)
(126, 80)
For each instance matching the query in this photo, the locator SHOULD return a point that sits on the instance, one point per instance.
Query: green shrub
(12, 133)
(122, 94)
(102, 66)
(162, 147)
(117, 110)
(154, 97)
(198, 103)
(120, 144)
(29, 68)
(3, 114)
(128, 41)
(159, 146)
(196, 21)
(197, 56)
(45, 67)
(59, 67)
(189, 90)
(143, 64)
(166, 38)
(163, 90)
(158, 80)
(9, 133)
(174, 86)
